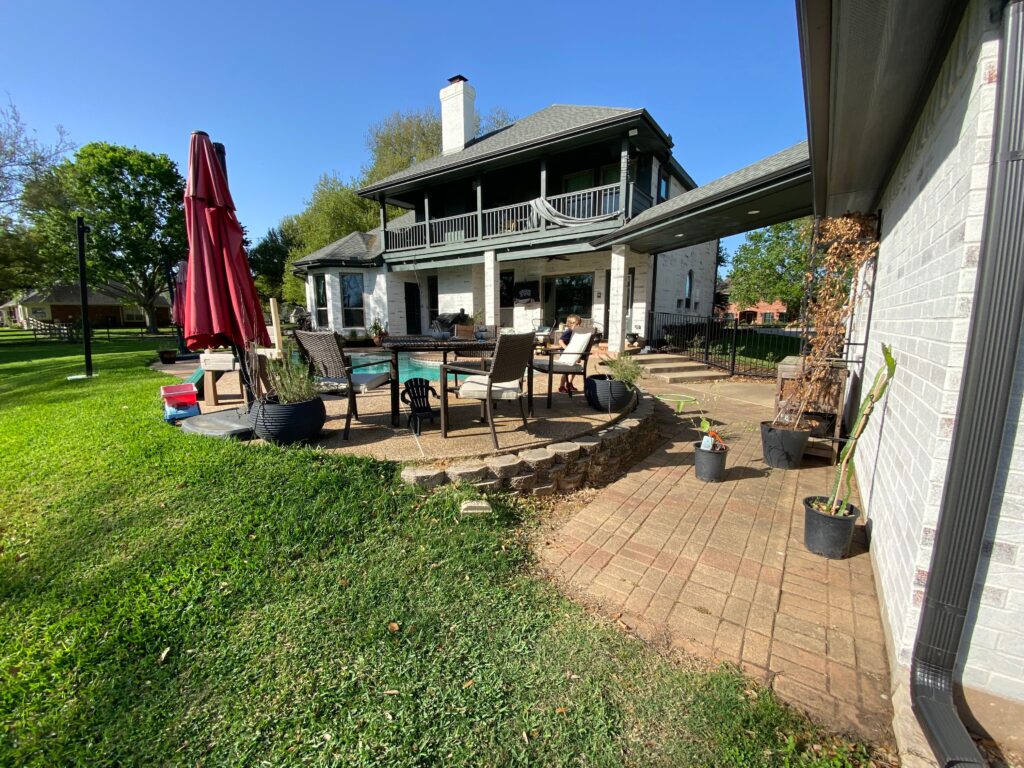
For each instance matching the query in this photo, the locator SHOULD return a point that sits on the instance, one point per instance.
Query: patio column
(492, 297)
(616, 293)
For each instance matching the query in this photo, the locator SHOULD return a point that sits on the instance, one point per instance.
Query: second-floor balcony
(549, 214)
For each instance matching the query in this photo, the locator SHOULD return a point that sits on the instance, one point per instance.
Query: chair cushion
(575, 348)
(475, 388)
(365, 382)
(542, 364)
(331, 385)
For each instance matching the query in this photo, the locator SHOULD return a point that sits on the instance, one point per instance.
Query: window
(577, 182)
(433, 305)
(320, 300)
(689, 288)
(133, 314)
(664, 185)
(730, 316)
(506, 286)
(352, 315)
(767, 317)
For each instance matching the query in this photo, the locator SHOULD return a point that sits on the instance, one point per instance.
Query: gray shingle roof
(794, 156)
(547, 123)
(108, 295)
(353, 248)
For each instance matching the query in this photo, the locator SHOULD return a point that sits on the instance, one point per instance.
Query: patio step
(675, 369)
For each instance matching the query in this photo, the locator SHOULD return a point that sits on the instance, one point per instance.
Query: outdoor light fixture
(751, 213)
(681, 234)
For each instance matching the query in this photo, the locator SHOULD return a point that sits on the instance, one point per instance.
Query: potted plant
(709, 454)
(292, 411)
(614, 391)
(841, 247)
(829, 521)
(377, 331)
(168, 356)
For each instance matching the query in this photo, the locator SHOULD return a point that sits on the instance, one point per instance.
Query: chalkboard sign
(526, 292)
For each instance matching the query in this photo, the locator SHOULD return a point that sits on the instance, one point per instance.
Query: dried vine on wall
(842, 246)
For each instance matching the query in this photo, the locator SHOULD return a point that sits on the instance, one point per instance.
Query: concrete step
(700, 373)
(659, 358)
(671, 367)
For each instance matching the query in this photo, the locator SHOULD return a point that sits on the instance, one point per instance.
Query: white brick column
(616, 292)
(492, 296)
(335, 318)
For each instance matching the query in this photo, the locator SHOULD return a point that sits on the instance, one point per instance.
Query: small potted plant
(292, 411)
(377, 331)
(168, 356)
(829, 521)
(615, 390)
(709, 454)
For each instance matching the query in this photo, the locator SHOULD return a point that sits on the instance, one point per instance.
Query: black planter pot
(709, 465)
(606, 394)
(783, 448)
(168, 356)
(288, 423)
(828, 535)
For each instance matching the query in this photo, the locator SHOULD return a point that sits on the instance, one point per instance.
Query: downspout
(992, 348)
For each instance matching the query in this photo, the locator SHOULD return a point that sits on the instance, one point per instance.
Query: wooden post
(543, 189)
(479, 207)
(623, 174)
(275, 321)
(383, 223)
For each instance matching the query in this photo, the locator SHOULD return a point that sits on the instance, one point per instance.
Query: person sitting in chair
(571, 322)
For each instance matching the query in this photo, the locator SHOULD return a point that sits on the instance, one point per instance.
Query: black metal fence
(742, 350)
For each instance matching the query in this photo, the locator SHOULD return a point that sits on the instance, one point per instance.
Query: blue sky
(291, 88)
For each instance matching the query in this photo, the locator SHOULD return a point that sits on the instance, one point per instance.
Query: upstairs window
(663, 185)
(320, 300)
(352, 300)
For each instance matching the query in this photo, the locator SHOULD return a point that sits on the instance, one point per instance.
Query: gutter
(992, 348)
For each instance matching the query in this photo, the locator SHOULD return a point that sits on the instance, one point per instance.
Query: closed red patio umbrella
(222, 308)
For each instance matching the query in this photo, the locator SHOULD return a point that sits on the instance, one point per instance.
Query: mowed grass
(174, 600)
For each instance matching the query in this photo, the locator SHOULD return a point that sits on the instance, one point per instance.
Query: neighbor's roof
(357, 249)
(550, 123)
(108, 295)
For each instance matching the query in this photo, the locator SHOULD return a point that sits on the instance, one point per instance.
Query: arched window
(689, 289)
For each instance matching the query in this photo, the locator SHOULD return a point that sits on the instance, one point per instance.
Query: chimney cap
(458, 79)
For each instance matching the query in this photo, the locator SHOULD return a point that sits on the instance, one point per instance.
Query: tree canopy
(132, 202)
(267, 259)
(770, 264)
(23, 158)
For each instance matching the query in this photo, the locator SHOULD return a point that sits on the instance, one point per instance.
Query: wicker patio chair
(334, 370)
(503, 380)
(571, 361)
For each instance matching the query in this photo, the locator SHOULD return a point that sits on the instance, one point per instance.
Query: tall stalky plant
(843, 245)
(290, 379)
(837, 506)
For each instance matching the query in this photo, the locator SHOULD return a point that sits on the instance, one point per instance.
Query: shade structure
(221, 305)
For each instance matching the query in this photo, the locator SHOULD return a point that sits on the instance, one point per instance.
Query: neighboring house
(503, 226)
(110, 305)
(762, 313)
(915, 112)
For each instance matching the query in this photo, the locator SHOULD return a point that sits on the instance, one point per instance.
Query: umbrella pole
(243, 368)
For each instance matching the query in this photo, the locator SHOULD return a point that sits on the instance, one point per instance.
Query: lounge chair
(571, 361)
(503, 380)
(334, 370)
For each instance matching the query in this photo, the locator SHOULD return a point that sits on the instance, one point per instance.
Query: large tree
(132, 201)
(771, 264)
(268, 258)
(23, 158)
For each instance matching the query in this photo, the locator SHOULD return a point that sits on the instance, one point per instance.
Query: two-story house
(503, 226)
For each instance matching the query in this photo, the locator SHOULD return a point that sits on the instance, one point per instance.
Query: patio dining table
(396, 344)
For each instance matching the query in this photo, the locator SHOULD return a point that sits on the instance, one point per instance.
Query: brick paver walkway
(720, 571)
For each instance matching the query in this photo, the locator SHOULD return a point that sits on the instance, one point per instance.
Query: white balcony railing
(504, 221)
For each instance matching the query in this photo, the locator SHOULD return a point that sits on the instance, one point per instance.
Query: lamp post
(82, 231)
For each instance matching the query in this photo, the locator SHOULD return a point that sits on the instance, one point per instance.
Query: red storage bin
(179, 395)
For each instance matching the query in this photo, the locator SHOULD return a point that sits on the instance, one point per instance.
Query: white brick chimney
(458, 116)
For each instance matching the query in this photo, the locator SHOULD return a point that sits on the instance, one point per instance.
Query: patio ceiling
(777, 188)
(868, 67)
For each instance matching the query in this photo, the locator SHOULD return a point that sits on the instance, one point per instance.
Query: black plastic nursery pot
(709, 465)
(288, 423)
(783, 447)
(828, 535)
(605, 394)
(168, 356)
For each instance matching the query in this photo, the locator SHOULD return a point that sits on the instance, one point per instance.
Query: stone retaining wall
(591, 459)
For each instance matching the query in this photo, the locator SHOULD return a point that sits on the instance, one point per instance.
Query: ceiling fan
(558, 258)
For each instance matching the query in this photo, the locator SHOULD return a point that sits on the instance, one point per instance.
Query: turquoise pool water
(408, 366)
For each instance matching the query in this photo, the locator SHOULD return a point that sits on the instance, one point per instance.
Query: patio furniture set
(495, 369)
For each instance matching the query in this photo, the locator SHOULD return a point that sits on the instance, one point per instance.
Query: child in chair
(571, 322)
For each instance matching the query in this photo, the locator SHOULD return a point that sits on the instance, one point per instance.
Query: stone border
(586, 460)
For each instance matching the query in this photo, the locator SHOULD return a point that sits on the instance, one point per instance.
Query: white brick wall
(932, 213)
(672, 269)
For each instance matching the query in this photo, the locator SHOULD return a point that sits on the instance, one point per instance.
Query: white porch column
(492, 296)
(616, 293)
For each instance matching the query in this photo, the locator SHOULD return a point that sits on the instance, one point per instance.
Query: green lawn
(173, 600)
